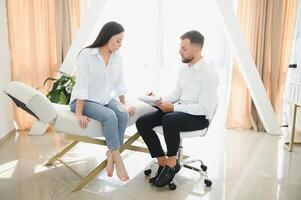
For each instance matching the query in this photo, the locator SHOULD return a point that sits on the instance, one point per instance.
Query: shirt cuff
(177, 108)
(164, 99)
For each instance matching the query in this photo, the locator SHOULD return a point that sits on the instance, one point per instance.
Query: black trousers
(173, 123)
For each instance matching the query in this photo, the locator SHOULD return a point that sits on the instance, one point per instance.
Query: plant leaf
(63, 99)
(61, 89)
(54, 96)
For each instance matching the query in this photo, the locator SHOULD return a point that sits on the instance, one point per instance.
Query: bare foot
(110, 163)
(120, 169)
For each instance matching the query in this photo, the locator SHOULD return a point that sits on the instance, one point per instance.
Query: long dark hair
(107, 31)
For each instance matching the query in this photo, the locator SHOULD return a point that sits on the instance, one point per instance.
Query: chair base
(76, 139)
(202, 170)
(185, 163)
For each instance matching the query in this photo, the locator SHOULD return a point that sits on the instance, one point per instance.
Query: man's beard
(187, 60)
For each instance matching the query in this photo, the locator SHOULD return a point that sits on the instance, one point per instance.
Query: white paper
(151, 100)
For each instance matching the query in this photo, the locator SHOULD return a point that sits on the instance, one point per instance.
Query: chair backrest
(210, 120)
(199, 133)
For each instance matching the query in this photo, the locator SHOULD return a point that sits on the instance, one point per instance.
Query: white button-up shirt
(196, 90)
(96, 81)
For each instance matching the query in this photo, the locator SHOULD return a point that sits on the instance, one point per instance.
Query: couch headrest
(32, 101)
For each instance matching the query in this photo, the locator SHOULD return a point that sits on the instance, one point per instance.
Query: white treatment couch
(63, 120)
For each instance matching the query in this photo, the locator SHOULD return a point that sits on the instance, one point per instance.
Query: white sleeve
(80, 89)
(120, 88)
(176, 93)
(207, 98)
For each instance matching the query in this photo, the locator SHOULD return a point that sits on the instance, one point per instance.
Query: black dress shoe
(167, 175)
(153, 179)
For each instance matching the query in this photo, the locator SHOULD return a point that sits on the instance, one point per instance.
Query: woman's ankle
(115, 151)
(119, 164)
(110, 163)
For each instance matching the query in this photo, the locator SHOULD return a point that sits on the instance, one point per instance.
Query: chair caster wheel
(147, 172)
(207, 182)
(172, 186)
(204, 167)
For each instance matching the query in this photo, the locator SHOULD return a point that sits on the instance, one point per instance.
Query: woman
(98, 75)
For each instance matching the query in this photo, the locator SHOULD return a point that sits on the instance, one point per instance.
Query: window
(152, 39)
(140, 44)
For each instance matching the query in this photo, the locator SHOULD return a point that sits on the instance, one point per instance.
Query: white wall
(6, 111)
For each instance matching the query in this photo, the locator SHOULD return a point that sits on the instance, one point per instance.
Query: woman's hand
(83, 120)
(131, 110)
(125, 108)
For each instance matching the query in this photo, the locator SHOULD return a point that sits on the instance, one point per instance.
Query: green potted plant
(61, 89)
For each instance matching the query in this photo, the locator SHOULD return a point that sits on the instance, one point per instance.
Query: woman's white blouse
(96, 81)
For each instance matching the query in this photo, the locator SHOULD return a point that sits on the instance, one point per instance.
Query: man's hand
(165, 106)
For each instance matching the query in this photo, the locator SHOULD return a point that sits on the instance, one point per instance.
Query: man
(188, 108)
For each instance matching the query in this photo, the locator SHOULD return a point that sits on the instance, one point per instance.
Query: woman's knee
(110, 117)
(124, 116)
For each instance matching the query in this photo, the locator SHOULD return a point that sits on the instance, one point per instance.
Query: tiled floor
(242, 165)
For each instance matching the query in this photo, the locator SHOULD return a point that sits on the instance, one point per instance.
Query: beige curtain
(34, 45)
(68, 15)
(268, 26)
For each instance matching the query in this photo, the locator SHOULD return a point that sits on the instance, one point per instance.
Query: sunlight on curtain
(68, 16)
(33, 43)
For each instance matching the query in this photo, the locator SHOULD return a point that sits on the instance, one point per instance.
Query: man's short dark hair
(195, 37)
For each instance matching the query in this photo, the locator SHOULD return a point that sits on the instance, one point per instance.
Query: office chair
(182, 158)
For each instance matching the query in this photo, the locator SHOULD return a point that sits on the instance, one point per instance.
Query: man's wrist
(176, 107)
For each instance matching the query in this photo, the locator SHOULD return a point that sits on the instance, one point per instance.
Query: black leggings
(173, 123)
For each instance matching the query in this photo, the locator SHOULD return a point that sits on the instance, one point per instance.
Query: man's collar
(198, 64)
